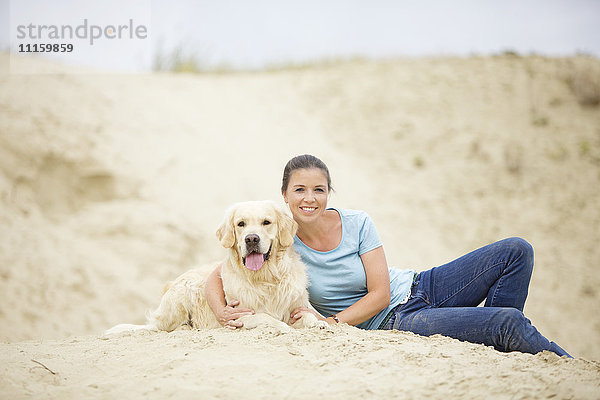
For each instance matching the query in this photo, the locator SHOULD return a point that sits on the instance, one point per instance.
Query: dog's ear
(225, 232)
(286, 227)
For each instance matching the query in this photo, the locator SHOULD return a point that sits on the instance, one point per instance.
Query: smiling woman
(350, 280)
(307, 195)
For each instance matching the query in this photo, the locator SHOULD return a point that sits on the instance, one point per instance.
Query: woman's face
(306, 194)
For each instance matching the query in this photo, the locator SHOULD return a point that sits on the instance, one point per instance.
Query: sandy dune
(112, 184)
(340, 363)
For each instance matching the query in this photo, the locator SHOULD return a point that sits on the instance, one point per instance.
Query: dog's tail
(173, 311)
(178, 308)
(155, 321)
(117, 329)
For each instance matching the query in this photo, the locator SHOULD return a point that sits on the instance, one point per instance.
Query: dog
(261, 270)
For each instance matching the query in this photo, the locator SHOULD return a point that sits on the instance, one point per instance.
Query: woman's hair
(305, 161)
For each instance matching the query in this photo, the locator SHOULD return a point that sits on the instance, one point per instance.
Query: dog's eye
(241, 224)
(266, 222)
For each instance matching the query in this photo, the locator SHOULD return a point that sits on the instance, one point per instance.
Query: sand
(338, 363)
(112, 184)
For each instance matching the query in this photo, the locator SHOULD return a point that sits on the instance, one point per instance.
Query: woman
(351, 282)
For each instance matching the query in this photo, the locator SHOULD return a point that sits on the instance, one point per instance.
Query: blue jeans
(444, 300)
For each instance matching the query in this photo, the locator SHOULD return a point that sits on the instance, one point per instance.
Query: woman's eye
(266, 222)
(299, 190)
(319, 190)
(241, 224)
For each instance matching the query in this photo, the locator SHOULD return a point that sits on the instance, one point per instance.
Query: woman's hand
(300, 311)
(228, 315)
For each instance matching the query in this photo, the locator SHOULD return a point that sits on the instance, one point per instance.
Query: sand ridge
(340, 363)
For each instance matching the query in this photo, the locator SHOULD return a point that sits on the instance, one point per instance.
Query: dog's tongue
(254, 261)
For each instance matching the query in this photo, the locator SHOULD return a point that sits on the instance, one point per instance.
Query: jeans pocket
(422, 295)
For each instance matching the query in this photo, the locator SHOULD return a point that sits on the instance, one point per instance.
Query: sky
(254, 34)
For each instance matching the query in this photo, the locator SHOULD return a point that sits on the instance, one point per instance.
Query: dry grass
(584, 82)
(183, 60)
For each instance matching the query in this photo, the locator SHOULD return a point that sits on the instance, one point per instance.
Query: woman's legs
(505, 328)
(445, 300)
(499, 273)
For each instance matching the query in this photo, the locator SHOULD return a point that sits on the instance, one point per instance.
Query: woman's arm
(226, 314)
(378, 292)
(378, 287)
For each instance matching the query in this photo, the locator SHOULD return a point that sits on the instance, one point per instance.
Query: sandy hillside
(112, 184)
(340, 363)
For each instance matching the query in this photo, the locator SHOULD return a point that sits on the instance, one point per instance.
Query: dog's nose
(252, 239)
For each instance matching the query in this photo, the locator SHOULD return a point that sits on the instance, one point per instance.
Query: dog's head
(256, 230)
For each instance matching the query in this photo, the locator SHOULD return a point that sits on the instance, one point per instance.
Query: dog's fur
(249, 229)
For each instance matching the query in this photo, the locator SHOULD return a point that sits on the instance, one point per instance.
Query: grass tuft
(584, 82)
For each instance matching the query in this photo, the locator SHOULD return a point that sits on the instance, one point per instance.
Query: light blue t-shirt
(337, 277)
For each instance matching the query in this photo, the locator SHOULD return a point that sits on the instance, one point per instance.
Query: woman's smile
(307, 194)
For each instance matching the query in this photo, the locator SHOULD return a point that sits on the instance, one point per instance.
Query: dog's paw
(266, 321)
(309, 320)
(280, 328)
(322, 324)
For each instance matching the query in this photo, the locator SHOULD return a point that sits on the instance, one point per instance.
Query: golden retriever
(261, 270)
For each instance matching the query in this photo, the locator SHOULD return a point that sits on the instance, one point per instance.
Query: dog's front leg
(309, 320)
(262, 319)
